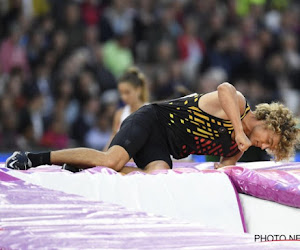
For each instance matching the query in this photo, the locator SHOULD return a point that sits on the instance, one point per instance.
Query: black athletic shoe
(71, 168)
(18, 161)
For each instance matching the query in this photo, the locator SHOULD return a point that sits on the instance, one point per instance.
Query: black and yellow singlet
(190, 130)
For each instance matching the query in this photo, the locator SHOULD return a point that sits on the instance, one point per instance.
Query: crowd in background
(60, 61)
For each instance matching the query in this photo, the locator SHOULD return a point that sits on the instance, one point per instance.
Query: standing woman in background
(133, 89)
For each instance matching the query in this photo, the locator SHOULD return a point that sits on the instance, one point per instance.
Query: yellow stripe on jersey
(194, 108)
(227, 125)
(196, 133)
(201, 116)
(196, 123)
(198, 120)
(203, 131)
(246, 111)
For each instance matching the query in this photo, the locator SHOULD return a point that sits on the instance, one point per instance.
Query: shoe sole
(10, 158)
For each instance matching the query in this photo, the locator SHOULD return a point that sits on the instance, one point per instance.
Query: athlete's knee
(157, 165)
(114, 163)
(116, 157)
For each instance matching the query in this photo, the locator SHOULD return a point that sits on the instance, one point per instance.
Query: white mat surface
(207, 198)
(268, 217)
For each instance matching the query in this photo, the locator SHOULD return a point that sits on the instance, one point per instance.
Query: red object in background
(183, 44)
(55, 140)
(91, 13)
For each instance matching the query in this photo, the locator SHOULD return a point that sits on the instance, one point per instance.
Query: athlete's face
(129, 94)
(264, 138)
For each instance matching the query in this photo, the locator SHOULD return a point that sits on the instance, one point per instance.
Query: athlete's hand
(242, 141)
(218, 165)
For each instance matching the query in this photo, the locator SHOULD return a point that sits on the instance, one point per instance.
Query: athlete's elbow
(225, 86)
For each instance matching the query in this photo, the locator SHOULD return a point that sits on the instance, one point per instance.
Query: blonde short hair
(280, 119)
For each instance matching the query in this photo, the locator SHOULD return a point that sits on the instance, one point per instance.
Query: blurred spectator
(244, 7)
(59, 43)
(120, 16)
(40, 7)
(234, 52)
(218, 54)
(216, 26)
(91, 11)
(3, 79)
(290, 20)
(280, 75)
(13, 11)
(99, 135)
(252, 65)
(86, 86)
(14, 88)
(73, 26)
(8, 124)
(276, 77)
(116, 54)
(181, 85)
(144, 20)
(211, 79)
(166, 28)
(164, 53)
(105, 78)
(290, 52)
(85, 120)
(74, 64)
(11, 53)
(248, 28)
(202, 11)
(47, 25)
(56, 136)
(134, 93)
(66, 103)
(110, 101)
(257, 93)
(91, 37)
(31, 124)
(35, 47)
(162, 87)
(191, 49)
(269, 42)
(42, 80)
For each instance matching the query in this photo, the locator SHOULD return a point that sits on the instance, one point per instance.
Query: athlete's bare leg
(152, 166)
(127, 170)
(116, 157)
(156, 165)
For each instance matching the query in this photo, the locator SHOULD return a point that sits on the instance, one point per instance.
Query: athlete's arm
(228, 161)
(233, 104)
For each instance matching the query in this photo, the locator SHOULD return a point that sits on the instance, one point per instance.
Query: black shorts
(142, 136)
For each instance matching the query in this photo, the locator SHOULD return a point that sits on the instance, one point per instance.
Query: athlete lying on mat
(217, 123)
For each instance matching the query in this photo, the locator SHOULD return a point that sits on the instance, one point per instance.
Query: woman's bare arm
(115, 127)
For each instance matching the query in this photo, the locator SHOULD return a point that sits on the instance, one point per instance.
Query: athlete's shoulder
(193, 95)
